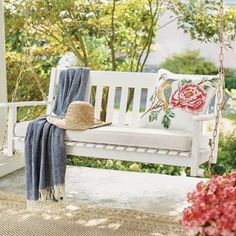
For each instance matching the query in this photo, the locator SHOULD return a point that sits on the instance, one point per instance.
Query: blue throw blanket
(45, 156)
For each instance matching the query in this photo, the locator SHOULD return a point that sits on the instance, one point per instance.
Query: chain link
(221, 99)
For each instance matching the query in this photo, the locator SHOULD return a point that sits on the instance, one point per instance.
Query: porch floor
(162, 194)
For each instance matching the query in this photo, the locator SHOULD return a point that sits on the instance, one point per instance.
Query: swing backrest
(117, 86)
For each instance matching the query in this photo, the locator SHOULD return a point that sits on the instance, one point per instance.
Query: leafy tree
(126, 29)
(201, 20)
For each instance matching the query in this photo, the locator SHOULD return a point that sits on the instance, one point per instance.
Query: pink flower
(190, 97)
(212, 209)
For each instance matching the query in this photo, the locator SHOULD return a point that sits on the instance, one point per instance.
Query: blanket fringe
(49, 198)
(39, 206)
(55, 192)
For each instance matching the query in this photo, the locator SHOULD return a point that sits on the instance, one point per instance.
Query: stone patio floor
(162, 194)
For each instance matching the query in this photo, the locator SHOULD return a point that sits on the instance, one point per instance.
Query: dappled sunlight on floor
(162, 194)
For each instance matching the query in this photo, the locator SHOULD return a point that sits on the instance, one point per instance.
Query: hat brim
(60, 122)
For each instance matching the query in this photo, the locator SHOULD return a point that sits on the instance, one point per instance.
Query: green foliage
(103, 35)
(201, 20)
(153, 115)
(126, 166)
(189, 62)
(226, 155)
(30, 113)
(230, 78)
(28, 72)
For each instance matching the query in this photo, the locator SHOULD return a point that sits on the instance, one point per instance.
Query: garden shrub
(189, 62)
(126, 166)
(226, 154)
(230, 78)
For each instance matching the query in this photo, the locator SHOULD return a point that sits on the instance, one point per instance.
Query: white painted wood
(24, 104)
(122, 79)
(80, 144)
(11, 164)
(195, 147)
(98, 102)
(110, 147)
(90, 145)
(128, 153)
(149, 94)
(150, 150)
(173, 153)
(120, 148)
(136, 107)
(185, 154)
(131, 149)
(3, 81)
(207, 117)
(141, 149)
(110, 103)
(100, 146)
(10, 132)
(52, 88)
(123, 105)
(163, 152)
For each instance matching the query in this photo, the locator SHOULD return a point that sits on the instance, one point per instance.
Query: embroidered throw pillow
(176, 99)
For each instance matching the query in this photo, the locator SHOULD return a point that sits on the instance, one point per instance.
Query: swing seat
(123, 140)
(131, 137)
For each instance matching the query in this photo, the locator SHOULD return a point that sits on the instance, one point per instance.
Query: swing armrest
(204, 117)
(24, 104)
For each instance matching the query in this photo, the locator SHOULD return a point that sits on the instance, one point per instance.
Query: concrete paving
(162, 194)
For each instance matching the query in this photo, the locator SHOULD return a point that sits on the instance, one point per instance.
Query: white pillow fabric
(176, 99)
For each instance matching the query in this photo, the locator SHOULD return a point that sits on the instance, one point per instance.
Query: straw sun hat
(79, 116)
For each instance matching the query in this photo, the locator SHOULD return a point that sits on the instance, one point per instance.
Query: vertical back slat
(110, 103)
(123, 104)
(136, 106)
(149, 94)
(52, 88)
(98, 101)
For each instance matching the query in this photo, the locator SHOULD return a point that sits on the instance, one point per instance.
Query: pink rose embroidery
(190, 97)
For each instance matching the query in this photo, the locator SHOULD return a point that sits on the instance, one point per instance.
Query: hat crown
(80, 114)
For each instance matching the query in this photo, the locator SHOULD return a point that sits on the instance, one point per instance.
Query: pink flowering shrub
(212, 210)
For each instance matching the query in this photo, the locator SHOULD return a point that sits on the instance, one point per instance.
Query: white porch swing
(124, 140)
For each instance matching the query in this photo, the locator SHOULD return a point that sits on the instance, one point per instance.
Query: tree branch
(113, 57)
(169, 22)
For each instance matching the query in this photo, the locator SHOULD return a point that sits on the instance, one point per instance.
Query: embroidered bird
(163, 93)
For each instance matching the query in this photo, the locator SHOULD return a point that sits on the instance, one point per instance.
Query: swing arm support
(12, 120)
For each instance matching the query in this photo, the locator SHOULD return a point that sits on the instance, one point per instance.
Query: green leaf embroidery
(214, 81)
(206, 87)
(184, 81)
(153, 116)
(166, 121)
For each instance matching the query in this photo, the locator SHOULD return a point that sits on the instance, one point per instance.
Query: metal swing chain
(221, 100)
